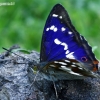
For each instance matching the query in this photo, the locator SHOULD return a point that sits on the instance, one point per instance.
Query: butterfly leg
(54, 87)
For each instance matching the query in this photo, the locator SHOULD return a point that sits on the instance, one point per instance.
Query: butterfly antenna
(12, 52)
(21, 57)
(24, 63)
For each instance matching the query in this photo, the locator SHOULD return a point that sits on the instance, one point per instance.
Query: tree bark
(16, 82)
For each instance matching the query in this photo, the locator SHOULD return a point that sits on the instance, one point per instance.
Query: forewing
(61, 40)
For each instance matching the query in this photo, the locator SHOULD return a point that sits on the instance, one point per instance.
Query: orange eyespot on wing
(95, 69)
(95, 62)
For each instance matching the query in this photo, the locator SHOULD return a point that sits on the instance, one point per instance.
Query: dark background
(23, 22)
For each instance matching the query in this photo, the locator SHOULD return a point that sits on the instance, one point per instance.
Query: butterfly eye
(84, 59)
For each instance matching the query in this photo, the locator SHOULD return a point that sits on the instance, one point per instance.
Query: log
(17, 81)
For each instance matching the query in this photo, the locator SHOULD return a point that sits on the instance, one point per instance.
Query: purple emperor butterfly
(65, 54)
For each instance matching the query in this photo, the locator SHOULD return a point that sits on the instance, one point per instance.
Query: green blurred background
(23, 22)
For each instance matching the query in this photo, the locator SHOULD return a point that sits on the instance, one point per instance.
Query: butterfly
(65, 54)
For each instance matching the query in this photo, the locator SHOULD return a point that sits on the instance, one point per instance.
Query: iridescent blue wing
(61, 40)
